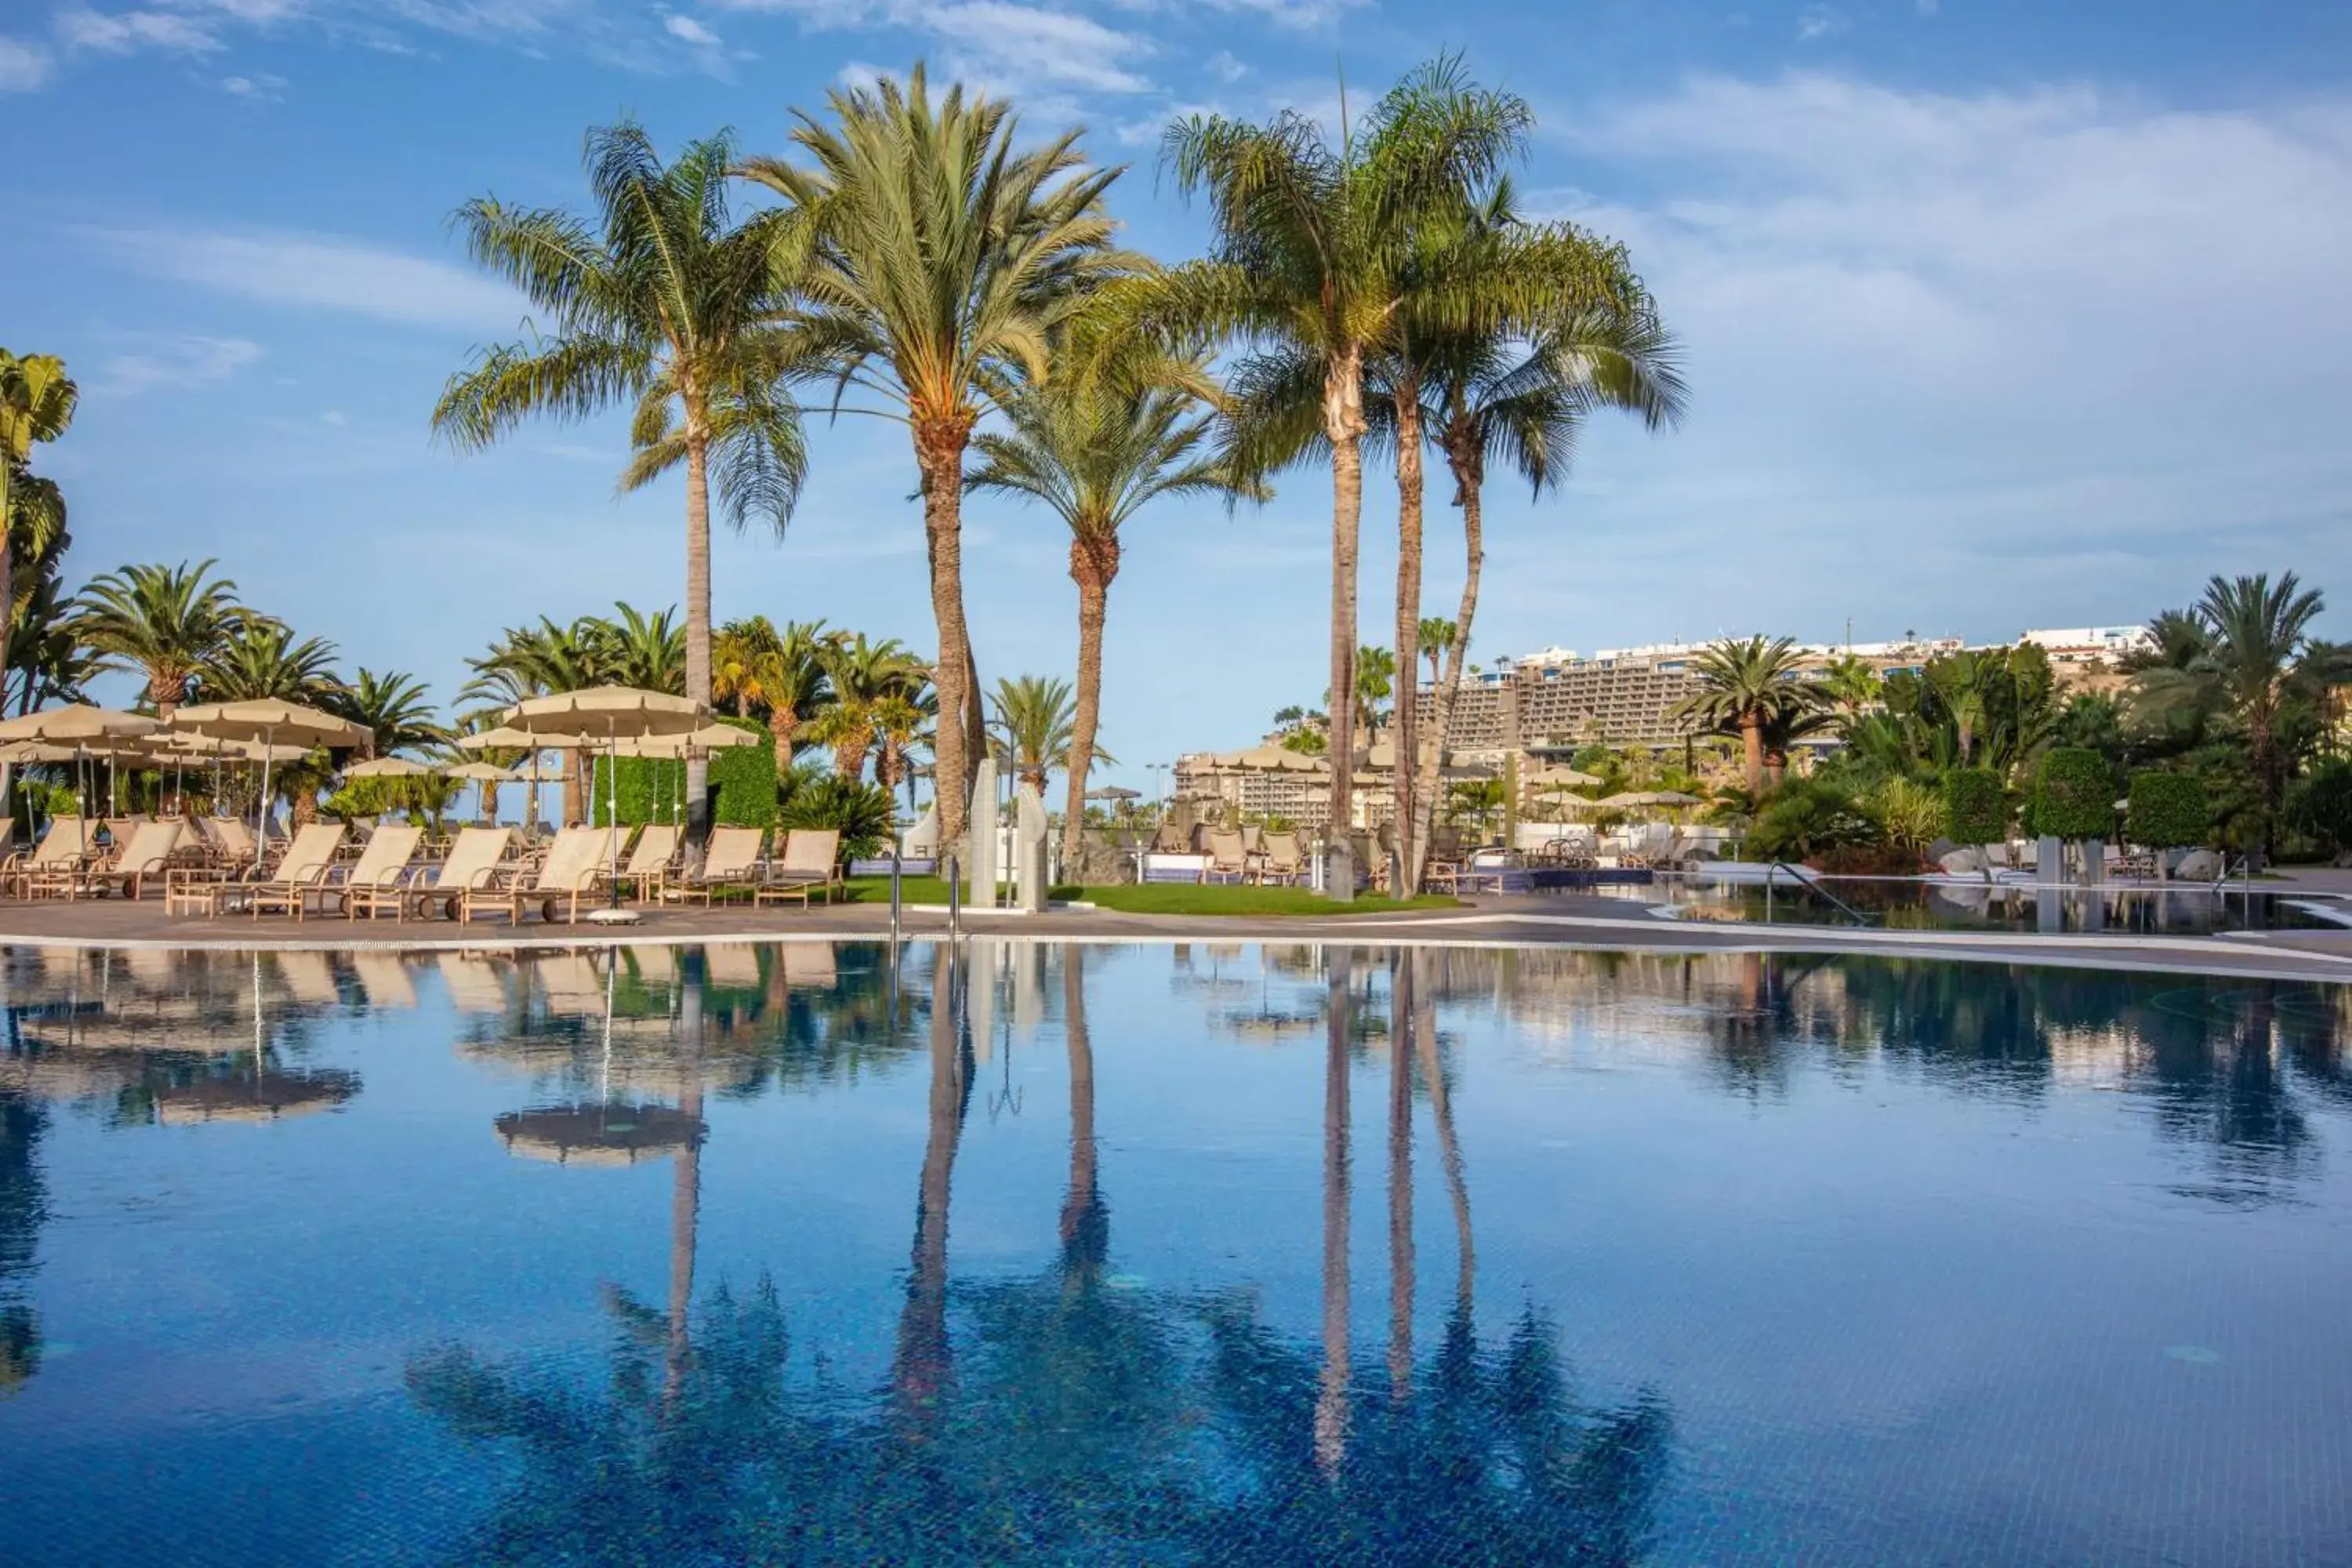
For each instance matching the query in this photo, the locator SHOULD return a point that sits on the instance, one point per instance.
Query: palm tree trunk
(7, 565)
(1093, 562)
(1404, 729)
(782, 722)
(698, 609)
(1462, 458)
(939, 455)
(1331, 1401)
(1343, 423)
(1751, 741)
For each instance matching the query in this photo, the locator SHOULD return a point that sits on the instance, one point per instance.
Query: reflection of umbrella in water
(258, 1097)
(616, 1133)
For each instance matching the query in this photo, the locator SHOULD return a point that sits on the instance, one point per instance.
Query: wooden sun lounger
(59, 854)
(654, 859)
(142, 860)
(300, 877)
(378, 877)
(471, 864)
(577, 865)
(730, 864)
(809, 865)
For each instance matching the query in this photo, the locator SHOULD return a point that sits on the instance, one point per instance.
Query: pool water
(1902, 904)
(1213, 1255)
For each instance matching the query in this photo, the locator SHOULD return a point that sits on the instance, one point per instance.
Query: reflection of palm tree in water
(919, 1375)
(24, 1205)
(1331, 1404)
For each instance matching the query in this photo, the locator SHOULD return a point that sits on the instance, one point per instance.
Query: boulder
(2198, 865)
(1962, 863)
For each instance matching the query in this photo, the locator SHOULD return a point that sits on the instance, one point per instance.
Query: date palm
(648, 652)
(393, 707)
(942, 258)
(778, 676)
(1437, 638)
(2256, 631)
(1095, 450)
(529, 661)
(166, 623)
(36, 404)
(863, 674)
(264, 660)
(1743, 689)
(1035, 723)
(663, 304)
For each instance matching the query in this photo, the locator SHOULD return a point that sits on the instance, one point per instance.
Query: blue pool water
(1168, 1256)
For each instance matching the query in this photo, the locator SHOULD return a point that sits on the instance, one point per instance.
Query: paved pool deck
(1523, 920)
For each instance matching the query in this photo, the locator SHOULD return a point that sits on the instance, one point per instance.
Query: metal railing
(1811, 885)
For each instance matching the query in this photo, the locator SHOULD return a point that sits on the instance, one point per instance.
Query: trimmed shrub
(743, 781)
(1804, 818)
(2075, 794)
(652, 790)
(1975, 807)
(2171, 811)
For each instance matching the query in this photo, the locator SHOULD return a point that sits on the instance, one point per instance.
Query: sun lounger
(1283, 862)
(577, 863)
(142, 861)
(1228, 860)
(59, 854)
(654, 859)
(298, 878)
(472, 862)
(730, 864)
(377, 879)
(810, 865)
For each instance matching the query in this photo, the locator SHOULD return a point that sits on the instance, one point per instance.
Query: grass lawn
(1166, 899)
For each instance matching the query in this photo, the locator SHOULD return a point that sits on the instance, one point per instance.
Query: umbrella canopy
(480, 773)
(1114, 792)
(1269, 760)
(613, 1134)
(1561, 777)
(1650, 798)
(607, 713)
(37, 752)
(170, 747)
(78, 725)
(270, 720)
(710, 738)
(388, 768)
(507, 738)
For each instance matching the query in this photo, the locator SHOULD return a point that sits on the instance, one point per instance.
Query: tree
(394, 708)
(2073, 795)
(665, 305)
(863, 675)
(1094, 449)
(1742, 687)
(167, 623)
(262, 660)
(941, 260)
(2168, 811)
(1976, 809)
(2255, 631)
(36, 404)
(1376, 669)
(1034, 720)
(648, 652)
(1851, 686)
(1437, 635)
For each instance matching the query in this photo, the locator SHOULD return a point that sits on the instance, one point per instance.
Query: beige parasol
(270, 720)
(91, 733)
(612, 714)
(388, 768)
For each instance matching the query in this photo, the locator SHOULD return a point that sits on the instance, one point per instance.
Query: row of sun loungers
(200, 870)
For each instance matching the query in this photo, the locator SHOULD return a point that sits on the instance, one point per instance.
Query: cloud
(175, 360)
(996, 43)
(24, 67)
(317, 272)
(1226, 68)
(692, 31)
(1818, 22)
(259, 88)
(127, 32)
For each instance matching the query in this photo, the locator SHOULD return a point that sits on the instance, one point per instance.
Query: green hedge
(743, 786)
(2170, 811)
(2075, 794)
(651, 790)
(1975, 806)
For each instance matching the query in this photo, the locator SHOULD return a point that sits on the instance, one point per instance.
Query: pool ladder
(1811, 885)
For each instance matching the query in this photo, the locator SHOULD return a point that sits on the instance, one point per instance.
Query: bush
(1975, 807)
(743, 781)
(2171, 811)
(2075, 794)
(1912, 812)
(652, 790)
(1804, 818)
(863, 812)
(2321, 804)
(1868, 860)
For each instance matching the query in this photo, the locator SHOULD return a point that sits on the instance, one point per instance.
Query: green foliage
(2075, 794)
(1913, 813)
(1975, 807)
(1804, 818)
(1980, 708)
(743, 782)
(651, 790)
(2173, 811)
(2321, 806)
(359, 798)
(865, 814)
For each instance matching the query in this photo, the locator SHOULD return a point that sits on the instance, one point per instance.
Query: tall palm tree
(394, 708)
(167, 623)
(2256, 630)
(1036, 726)
(1437, 637)
(262, 660)
(1094, 449)
(665, 305)
(940, 260)
(36, 404)
(1742, 688)
(644, 651)
(863, 674)
(1315, 255)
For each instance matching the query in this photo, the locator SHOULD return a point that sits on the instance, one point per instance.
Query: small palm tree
(393, 707)
(1437, 635)
(1035, 722)
(663, 305)
(1096, 449)
(1852, 686)
(1376, 669)
(1742, 688)
(776, 676)
(942, 258)
(648, 652)
(902, 724)
(2256, 631)
(36, 404)
(863, 674)
(167, 623)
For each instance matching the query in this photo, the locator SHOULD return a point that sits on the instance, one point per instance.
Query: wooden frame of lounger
(380, 874)
(301, 874)
(473, 862)
(147, 855)
(730, 864)
(578, 863)
(809, 863)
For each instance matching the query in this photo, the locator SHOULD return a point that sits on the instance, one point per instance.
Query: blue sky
(1997, 314)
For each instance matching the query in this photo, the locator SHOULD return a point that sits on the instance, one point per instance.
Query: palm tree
(863, 675)
(941, 261)
(261, 659)
(644, 651)
(1317, 251)
(1437, 635)
(1376, 670)
(394, 708)
(529, 661)
(36, 404)
(167, 623)
(1851, 686)
(902, 723)
(663, 305)
(1036, 726)
(1741, 688)
(2256, 630)
(778, 677)
(1094, 449)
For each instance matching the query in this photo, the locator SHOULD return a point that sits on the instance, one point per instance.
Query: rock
(2198, 865)
(1962, 863)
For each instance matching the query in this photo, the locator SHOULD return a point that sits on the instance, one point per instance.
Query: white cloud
(1027, 50)
(1818, 22)
(1226, 67)
(259, 88)
(318, 272)
(333, 416)
(692, 31)
(126, 32)
(175, 360)
(24, 67)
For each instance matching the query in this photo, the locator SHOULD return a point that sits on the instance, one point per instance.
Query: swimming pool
(1206, 1253)
(1909, 904)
